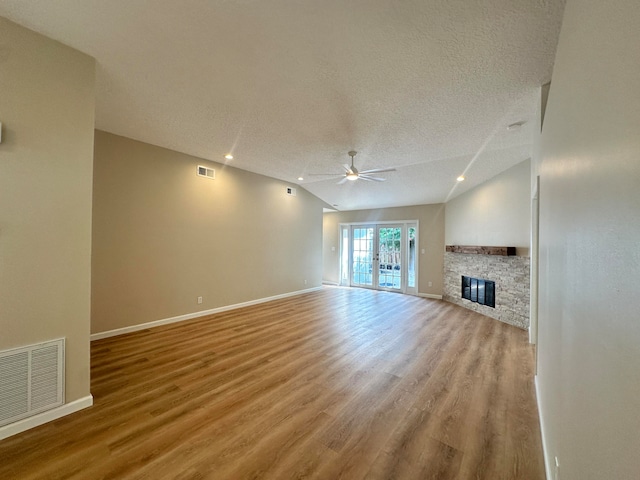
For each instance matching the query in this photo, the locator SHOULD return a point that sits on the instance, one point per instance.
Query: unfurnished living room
(295, 239)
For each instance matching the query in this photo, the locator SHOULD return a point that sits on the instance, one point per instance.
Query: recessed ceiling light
(460, 178)
(228, 156)
(300, 178)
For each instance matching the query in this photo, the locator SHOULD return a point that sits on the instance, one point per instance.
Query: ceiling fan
(352, 173)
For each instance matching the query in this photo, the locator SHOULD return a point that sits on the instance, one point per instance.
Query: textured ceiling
(290, 86)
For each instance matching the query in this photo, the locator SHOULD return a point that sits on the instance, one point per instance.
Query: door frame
(345, 258)
(534, 257)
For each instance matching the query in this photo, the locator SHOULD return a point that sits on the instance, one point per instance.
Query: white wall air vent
(31, 380)
(206, 172)
(291, 191)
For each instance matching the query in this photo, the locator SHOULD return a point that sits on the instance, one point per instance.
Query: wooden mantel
(481, 250)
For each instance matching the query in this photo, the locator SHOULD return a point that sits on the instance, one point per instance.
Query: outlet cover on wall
(199, 300)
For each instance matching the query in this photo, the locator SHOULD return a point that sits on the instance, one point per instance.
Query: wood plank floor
(338, 383)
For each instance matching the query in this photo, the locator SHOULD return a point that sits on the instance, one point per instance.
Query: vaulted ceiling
(290, 86)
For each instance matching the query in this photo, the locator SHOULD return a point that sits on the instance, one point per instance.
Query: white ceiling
(290, 86)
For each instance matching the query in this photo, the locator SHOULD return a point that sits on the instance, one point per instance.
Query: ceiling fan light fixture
(351, 173)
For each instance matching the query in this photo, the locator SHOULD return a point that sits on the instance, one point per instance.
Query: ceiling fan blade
(371, 179)
(379, 170)
(347, 168)
(342, 181)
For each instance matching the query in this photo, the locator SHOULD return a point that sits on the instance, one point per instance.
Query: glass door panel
(390, 258)
(345, 251)
(411, 274)
(363, 257)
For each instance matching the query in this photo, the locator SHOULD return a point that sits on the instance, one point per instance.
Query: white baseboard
(189, 316)
(45, 417)
(327, 282)
(430, 295)
(548, 467)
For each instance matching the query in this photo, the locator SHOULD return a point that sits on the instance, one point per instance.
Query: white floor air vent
(31, 380)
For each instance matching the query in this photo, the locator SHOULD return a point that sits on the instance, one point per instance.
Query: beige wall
(163, 236)
(589, 321)
(47, 115)
(431, 238)
(495, 213)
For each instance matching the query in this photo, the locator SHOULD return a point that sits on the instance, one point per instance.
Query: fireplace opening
(479, 291)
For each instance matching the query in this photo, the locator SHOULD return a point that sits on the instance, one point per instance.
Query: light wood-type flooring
(337, 383)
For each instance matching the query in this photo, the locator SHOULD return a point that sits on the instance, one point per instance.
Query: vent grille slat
(31, 380)
(206, 172)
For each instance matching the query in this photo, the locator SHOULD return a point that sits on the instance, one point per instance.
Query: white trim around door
(380, 255)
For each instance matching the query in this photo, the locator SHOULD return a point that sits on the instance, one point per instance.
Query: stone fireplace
(509, 272)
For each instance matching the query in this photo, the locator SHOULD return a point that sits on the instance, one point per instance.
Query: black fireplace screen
(479, 291)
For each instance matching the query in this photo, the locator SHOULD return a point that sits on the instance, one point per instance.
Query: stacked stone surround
(511, 275)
